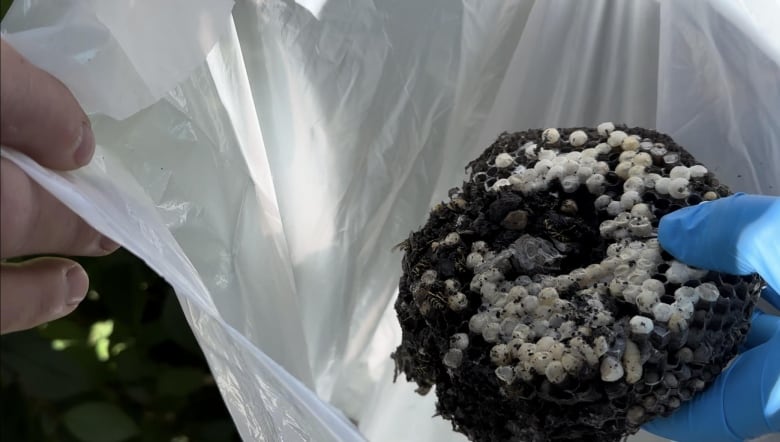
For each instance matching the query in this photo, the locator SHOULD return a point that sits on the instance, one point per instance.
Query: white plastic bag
(270, 185)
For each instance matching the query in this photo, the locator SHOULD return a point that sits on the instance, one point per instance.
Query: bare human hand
(41, 118)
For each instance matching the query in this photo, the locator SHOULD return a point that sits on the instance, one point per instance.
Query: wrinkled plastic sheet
(269, 180)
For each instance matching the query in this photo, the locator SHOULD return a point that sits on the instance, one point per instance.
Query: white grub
(452, 239)
(583, 173)
(662, 312)
(557, 350)
(540, 327)
(571, 363)
(596, 184)
(570, 183)
(547, 154)
(524, 371)
(632, 361)
(428, 277)
(600, 346)
(680, 172)
(543, 166)
(698, 171)
(627, 155)
(678, 273)
(616, 138)
(677, 322)
(642, 159)
(499, 354)
(578, 138)
(530, 151)
(686, 293)
(525, 352)
(540, 361)
(710, 196)
(452, 285)
(678, 188)
(545, 343)
(630, 143)
(522, 333)
(655, 286)
(500, 184)
(634, 184)
(601, 167)
(474, 260)
(517, 293)
(684, 307)
(662, 185)
(622, 169)
(603, 148)
(529, 303)
(491, 332)
(453, 358)
(590, 152)
(640, 227)
(636, 171)
(505, 373)
(583, 349)
(458, 302)
(646, 300)
(707, 292)
(548, 296)
(611, 370)
(602, 202)
(614, 208)
(641, 325)
(479, 247)
(555, 372)
(642, 210)
(551, 135)
(605, 128)
(602, 319)
(504, 160)
(478, 322)
(459, 341)
(629, 198)
(651, 179)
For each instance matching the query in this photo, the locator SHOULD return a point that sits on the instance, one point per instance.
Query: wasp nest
(539, 303)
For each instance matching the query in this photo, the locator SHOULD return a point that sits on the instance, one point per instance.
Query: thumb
(39, 291)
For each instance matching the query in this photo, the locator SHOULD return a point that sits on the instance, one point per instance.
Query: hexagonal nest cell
(539, 303)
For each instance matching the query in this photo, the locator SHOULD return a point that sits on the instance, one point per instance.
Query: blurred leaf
(180, 381)
(130, 367)
(99, 422)
(43, 372)
(4, 6)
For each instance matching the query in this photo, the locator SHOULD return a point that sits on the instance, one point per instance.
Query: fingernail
(108, 245)
(85, 145)
(78, 284)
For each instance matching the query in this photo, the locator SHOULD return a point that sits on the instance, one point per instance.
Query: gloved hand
(738, 235)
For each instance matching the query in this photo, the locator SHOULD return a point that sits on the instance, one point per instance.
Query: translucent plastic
(270, 186)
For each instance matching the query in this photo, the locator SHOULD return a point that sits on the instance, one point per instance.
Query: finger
(33, 222)
(739, 234)
(39, 291)
(742, 404)
(40, 117)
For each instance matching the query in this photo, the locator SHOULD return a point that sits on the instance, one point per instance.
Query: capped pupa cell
(539, 303)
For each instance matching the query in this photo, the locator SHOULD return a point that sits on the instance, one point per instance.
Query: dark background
(123, 367)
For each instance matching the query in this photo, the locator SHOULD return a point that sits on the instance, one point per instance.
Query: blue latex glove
(738, 235)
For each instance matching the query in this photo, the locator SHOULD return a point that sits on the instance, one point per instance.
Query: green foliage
(124, 366)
